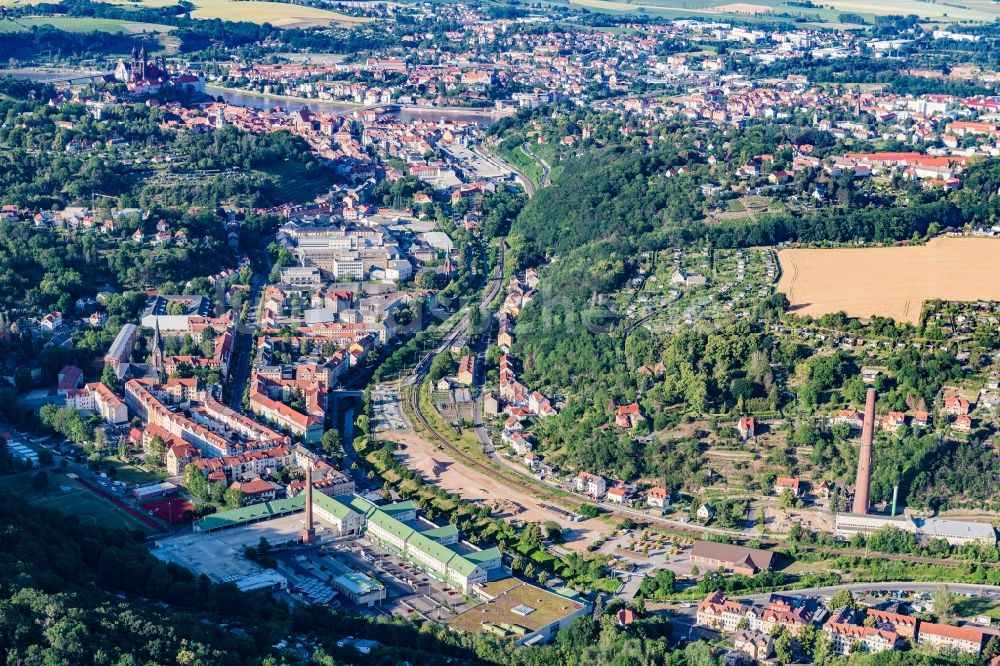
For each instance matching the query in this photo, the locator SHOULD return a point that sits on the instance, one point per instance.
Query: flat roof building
(523, 612)
(955, 532)
(360, 589)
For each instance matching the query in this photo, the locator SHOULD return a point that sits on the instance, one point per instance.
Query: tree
(992, 648)
(783, 647)
(589, 510)
(806, 639)
(39, 482)
(233, 498)
(944, 604)
(332, 443)
(842, 599)
(109, 378)
(441, 366)
(700, 653)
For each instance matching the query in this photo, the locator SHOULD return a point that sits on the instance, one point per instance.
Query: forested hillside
(619, 197)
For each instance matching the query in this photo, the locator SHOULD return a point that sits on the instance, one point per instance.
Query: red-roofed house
(746, 427)
(658, 497)
(956, 405)
(70, 377)
(783, 483)
(617, 494)
(628, 416)
(256, 490)
(591, 484)
(948, 638)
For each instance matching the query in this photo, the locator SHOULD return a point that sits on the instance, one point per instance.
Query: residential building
(947, 638)
(591, 484)
(783, 483)
(658, 498)
(617, 495)
(846, 638)
(96, 398)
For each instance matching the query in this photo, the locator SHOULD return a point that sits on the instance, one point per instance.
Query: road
(684, 616)
(525, 182)
(243, 349)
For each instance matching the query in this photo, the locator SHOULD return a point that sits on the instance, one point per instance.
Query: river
(406, 113)
(257, 100)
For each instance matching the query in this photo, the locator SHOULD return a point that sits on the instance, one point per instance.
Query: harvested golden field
(278, 14)
(890, 281)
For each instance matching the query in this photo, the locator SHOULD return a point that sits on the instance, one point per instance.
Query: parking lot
(408, 589)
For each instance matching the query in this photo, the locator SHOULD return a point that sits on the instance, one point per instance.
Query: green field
(130, 473)
(294, 185)
(17, 4)
(973, 606)
(86, 24)
(825, 14)
(76, 500)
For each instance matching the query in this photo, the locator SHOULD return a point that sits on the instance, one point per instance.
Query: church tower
(157, 348)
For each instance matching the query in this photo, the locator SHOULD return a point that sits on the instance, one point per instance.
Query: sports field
(70, 497)
(890, 281)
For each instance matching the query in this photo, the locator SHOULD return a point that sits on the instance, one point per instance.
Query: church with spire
(140, 74)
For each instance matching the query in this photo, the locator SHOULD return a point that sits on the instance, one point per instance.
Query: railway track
(498, 471)
(509, 478)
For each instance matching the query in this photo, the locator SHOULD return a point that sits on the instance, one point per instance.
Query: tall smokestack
(862, 485)
(309, 533)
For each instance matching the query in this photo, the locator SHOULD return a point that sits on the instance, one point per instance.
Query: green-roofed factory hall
(436, 550)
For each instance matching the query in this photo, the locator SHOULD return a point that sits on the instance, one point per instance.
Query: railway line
(513, 479)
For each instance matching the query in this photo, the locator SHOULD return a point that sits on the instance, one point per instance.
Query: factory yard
(892, 281)
(472, 485)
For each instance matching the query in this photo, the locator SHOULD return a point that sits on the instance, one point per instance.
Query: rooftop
(511, 600)
(357, 583)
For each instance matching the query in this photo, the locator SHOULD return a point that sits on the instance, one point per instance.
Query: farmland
(826, 13)
(87, 24)
(891, 281)
(278, 14)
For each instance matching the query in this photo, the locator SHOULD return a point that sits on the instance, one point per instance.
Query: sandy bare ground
(438, 467)
(780, 520)
(891, 281)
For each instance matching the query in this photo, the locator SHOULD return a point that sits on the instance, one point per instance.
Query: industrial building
(862, 521)
(529, 614)
(435, 550)
(360, 589)
(955, 532)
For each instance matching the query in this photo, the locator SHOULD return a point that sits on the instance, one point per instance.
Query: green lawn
(87, 24)
(68, 496)
(973, 606)
(130, 473)
(523, 163)
(294, 184)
